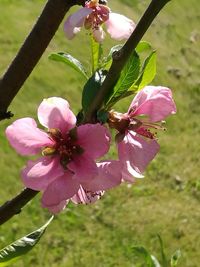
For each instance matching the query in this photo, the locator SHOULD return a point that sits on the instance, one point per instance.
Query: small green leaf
(163, 256)
(92, 87)
(143, 46)
(96, 54)
(22, 246)
(107, 61)
(175, 258)
(128, 76)
(70, 61)
(148, 71)
(150, 260)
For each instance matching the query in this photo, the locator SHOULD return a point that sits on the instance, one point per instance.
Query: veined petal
(128, 173)
(58, 208)
(84, 168)
(136, 153)
(78, 17)
(154, 101)
(109, 175)
(94, 139)
(70, 31)
(38, 174)
(75, 21)
(26, 138)
(54, 112)
(62, 188)
(119, 27)
(86, 197)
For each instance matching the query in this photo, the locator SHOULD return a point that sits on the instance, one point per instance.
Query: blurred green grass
(167, 201)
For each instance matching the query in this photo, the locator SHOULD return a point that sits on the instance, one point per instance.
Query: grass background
(167, 201)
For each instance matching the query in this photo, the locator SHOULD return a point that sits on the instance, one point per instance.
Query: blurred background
(166, 202)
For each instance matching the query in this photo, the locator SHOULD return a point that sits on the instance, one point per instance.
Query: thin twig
(14, 206)
(120, 58)
(32, 50)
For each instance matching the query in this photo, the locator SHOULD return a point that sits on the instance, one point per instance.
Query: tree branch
(120, 57)
(14, 206)
(32, 50)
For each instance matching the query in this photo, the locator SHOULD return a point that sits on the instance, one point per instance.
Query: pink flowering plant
(67, 168)
(73, 161)
(92, 16)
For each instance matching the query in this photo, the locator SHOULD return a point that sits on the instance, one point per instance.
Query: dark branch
(32, 50)
(14, 206)
(122, 56)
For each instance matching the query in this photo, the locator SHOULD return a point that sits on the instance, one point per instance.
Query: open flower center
(65, 146)
(123, 122)
(100, 14)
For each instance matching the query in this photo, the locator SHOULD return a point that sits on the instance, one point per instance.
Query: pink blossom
(109, 176)
(67, 168)
(136, 140)
(92, 16)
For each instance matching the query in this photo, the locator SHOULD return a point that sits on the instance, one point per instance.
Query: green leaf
(107, 61)
(175, 258)
(163, 256)
(22, 246)
(70, 61)
(92, 87)
(128, 76)
(150, 260)
(96, 54)
(148, 71)
(143, 46)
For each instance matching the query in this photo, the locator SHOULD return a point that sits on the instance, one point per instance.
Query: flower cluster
(93, 16)
(67, 169)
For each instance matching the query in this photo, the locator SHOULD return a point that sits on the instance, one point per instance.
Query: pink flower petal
(109, 175)
(26, 138)
(86, 197)
(75, 21)
(128, 173)
(94, 139)
(119, 27)
(136, 153)
(84, 168)
(62, 188)
(38, 174)
(54, 112)
(58, 208)
(154, 101)
(99, 35)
